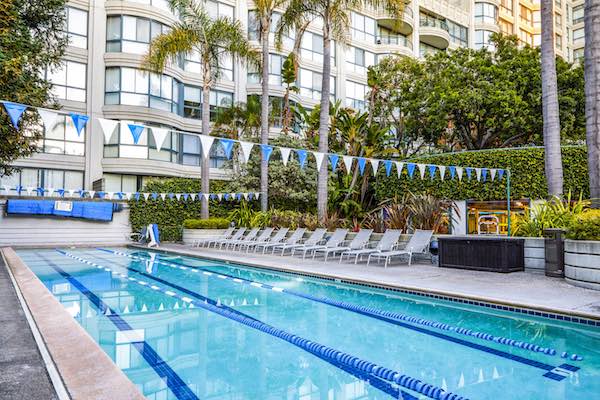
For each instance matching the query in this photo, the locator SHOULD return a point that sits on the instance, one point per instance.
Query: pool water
(189, 328)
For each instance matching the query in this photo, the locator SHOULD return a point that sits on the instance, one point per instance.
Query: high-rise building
(101, 76)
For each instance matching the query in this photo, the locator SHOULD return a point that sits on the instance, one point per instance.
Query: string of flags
(105, 195)
(422, 170)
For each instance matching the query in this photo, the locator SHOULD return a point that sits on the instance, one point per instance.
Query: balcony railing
(394, 40)
(433, 23)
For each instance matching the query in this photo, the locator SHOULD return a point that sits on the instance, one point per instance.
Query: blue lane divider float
(345, 361)
(179, 388)
(388, 316)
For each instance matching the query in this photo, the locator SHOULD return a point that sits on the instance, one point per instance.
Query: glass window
(275, 65)
(458, 34)
(507, 6)
(130, 34)
(311, 48)
(192, 104)
(356, 93)
(578, 55)
(310, 84)
(363, 28)
(486, 13)
(482, 39)
(46, 178)
(578, 34)
(578, 14)
(63, 138)
(358, 60)
(69, 81)
(429, 20)
(77, 27)
(526, 15)
(387, 36)
(190, 149)
(425, 49)
(216, 9)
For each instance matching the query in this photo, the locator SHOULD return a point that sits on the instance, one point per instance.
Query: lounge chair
(236, 236)
(292, 240)
(226, 235)
(277, 238)
(263, 237)
(386, 243)
(359, 242)
(232, 243)
(334, 240)
(313, 239)
(418, 243)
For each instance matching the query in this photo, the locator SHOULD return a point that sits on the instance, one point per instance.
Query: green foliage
(585, 226)
(210, 223)
(244, 215)
(554, 213)
(527, 179)
(293, 219)
(32, 41)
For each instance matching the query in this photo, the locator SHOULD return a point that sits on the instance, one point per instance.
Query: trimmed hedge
(527, 175)
(585, 226)
(211, 223)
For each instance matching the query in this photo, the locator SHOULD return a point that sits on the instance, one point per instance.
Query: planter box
(582, 263)
(494, 254)
(189, 235)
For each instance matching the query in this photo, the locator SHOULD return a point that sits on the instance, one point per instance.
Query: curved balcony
(394, 44)
(434, 33)
(404, 26)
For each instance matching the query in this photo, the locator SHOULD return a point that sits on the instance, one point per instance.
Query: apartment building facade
(101, 76)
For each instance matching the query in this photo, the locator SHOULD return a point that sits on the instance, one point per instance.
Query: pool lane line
(162, 369)
(389, 317)
(340, 359)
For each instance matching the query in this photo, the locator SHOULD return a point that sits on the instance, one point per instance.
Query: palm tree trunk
(553, 161)
(324, 123)
(205, 184)
(592, 96)
(264, 113)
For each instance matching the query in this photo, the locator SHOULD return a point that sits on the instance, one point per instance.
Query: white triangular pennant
(245, 196)
(285, 154)
(163, 196)
(108, 127)
(442, 169)
(146, 195)
(246, 148)
(193, 196)
(159, 135)
(92, 193)
(109, 195)
(347, 163)
(71, 192)
(399, 166)
(478, 173)
(319, 157)
(422, 170)
(178, 196)
(48, 118)
(459, 172)
(50, 191)
(220, 196)
(375, 165)
(128, 195)
(207, 142)
(257, 195)
(205, 196)
(493, 173)
(29, 190)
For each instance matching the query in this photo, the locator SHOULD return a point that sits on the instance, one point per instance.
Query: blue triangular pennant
(19, 189)
(484, 172)
(79, 121)
(213, 196)
(432, 169)
(333, 159)
(81, 193)
(171, 195)
(361, 164)
(40, 191)
(185, 196)
(452, 171)
(136, 132)
(136, 196)
(301, 157)
(227, 147)
(469, 172)
(61, 192)
(266, 151)
(500, 174)
(14, 110)
(238, 196)
(388, 167)
(154, 196)
(410, 167)
(226, 196)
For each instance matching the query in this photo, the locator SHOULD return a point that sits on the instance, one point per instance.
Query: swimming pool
(188, 328)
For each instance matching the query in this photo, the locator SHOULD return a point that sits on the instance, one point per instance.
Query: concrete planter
(189, 235)
(582, 263)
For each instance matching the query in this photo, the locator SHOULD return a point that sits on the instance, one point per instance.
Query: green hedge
(585, 226)
(211, 223)
(527, 175)
(170, 214)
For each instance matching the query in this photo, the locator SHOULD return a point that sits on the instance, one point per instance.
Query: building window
(506, 27)
(526, 15)
(311, 48)
(358, 60)
(254, 29)
(458, 34)
(121, 144)
(162, 4)
(217, 9)
(425, 49)
(486, 13)
(310, 84)
(578, 14)
(128, 34)
(537, 19)
(428, 20)
(526, 37)
(136, 87)
(62, 138)
(578, 55)
(507, 6)
(558, 41)
(77, 27)
(275, 65)
(578, 34)
(482, 39)
(120, 183)
(192, 102)
(44, 178)
(387, 36)
(363, 28)
(69, 81)
(356, 93)
(557, 22)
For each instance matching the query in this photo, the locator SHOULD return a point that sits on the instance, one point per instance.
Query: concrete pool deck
(520, 289)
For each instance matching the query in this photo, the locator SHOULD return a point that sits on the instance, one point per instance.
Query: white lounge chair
(334, 240)
(237, 235)
(292, 240)
(250, 236)
(312, 240)
(386, 243)
(277, 238)
(359, 242)
(418, 243)
(226, 235)
(263, 237)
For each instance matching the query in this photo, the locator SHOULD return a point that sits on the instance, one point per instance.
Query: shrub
(211, 223)
(585, 226)
(554, 213)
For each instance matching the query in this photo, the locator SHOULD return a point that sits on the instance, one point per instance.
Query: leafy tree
(288, 77)
(32, 41)
(212, 40)
(592, 96)
(241, 120)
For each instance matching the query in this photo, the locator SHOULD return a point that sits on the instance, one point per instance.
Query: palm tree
(264, 13)
(550, 114)
(212, 40)
(335, 17)
(592, 95)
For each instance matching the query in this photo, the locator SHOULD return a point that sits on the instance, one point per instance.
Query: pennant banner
(159, 135)
(285, 154)
(333, 159)
(108, 128)
(206, 142)
(227, 147)
(301, 158)
(79, 121)
(14, 111)
(48, 118)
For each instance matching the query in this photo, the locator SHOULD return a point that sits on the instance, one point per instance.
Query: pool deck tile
(519, 289)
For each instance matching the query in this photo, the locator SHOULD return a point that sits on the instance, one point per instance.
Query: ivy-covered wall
(527, 175)
(169, 214)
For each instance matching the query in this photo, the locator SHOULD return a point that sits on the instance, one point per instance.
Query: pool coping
(86, 371)
(568, 315)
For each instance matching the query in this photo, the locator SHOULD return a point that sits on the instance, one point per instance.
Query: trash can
(554, 252)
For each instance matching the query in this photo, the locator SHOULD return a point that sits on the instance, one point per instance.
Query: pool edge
(68, 343)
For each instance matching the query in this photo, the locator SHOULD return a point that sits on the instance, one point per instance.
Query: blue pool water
(188, 328)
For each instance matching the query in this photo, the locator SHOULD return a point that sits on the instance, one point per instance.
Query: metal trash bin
(554, 252)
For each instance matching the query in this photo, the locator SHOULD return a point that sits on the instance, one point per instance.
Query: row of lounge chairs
(316, 244)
